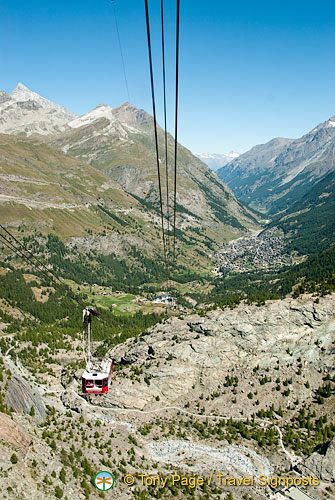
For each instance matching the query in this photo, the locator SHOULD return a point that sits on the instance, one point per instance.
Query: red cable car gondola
(98, 372)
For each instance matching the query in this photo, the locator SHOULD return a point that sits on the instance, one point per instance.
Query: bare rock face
(183, 355)
(4, 97)
(21, 397)
(111, 244)
(290, 162)
(26, 113)
(13, 434)
(323, 465)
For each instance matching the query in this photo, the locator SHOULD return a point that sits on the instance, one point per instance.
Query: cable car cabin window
(98, 383)
(105, 382)
(89, 383)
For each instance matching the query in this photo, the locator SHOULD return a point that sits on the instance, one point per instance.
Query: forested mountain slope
(97, 231)
(91, 181)
(310, 222)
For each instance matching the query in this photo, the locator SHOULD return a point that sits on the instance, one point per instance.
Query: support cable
(168, 249)
(19, 253)
(165, 127)
(10, 245)
(30, 253)
(155, 126)
(121, 52)
(176, 135)
(45, 271)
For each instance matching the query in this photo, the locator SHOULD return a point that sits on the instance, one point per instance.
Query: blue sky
(249, 71)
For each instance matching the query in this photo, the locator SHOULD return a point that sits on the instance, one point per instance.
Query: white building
(164, 298)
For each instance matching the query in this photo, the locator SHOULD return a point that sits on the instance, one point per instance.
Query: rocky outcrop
(13, 434)
(22, 398)
(24, 112)
(323, 465)
(118, 244)
(183, 356)
(3, 96)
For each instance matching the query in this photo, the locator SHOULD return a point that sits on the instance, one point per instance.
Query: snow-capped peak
(231, 154)
(101, 111)
(21, 93)
(25, 111)
(217, 160)
(331, 121)
(20, 88)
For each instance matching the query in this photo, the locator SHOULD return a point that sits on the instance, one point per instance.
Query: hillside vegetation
(310, 222)
(103, 232)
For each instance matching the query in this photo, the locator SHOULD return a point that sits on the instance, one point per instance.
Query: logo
(104, 481)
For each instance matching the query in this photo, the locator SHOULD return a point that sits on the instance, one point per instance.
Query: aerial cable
(19, 252)
(120, 47)
(165, 126)
(155, 126)
(10, 245)
(176, 134)
(30, 253)
(166, 152)
(45, 271)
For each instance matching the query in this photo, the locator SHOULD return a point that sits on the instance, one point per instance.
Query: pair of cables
(168, 253)
(165, 240)
(22, 251)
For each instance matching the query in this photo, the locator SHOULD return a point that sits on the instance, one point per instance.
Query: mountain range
(92, 181)
(272, 176)
(94, 178)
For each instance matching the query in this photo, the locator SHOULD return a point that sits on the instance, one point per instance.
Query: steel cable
(155, 127)
(176, 134)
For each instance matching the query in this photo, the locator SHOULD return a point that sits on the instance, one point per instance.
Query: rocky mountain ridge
(24, 112)
(202, 350)
(120, 142)
(272, 176)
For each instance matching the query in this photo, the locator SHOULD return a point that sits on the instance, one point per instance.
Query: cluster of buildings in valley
(102, 290)
(162, 297)
(255, 252)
